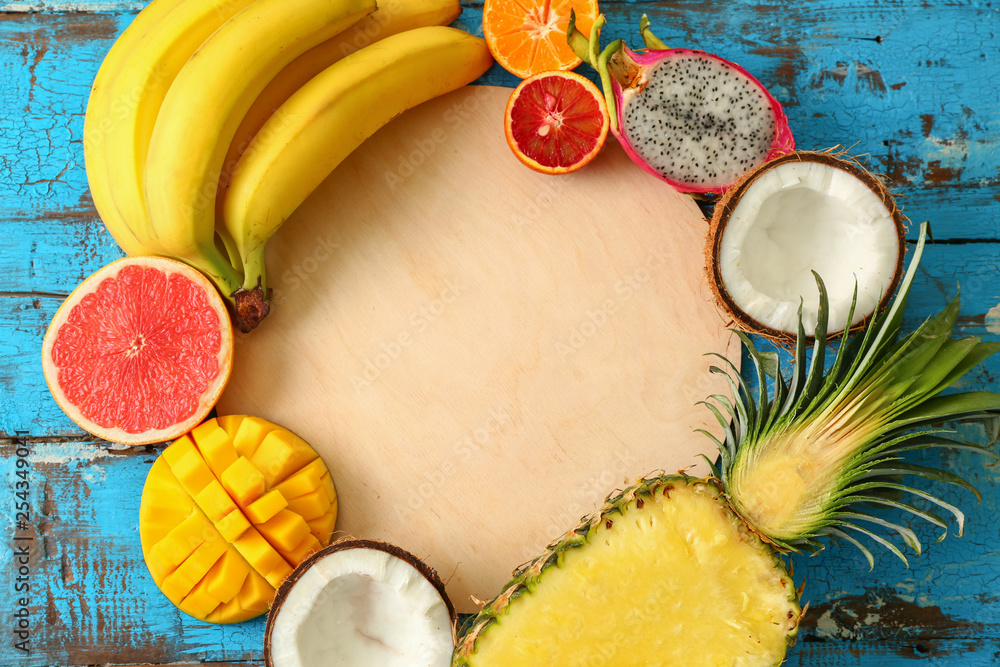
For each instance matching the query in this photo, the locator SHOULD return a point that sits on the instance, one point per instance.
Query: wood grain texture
(914, 86)
(454, 370)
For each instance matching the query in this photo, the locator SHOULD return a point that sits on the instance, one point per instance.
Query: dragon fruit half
(688, 117)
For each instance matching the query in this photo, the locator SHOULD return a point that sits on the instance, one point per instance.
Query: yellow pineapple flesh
(663, 570)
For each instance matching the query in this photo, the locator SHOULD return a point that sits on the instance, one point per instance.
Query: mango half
(228, 511)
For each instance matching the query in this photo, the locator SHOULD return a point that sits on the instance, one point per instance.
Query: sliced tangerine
(529, 36)
(556, 122)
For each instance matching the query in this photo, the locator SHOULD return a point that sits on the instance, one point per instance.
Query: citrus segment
(556, 122)
(217, 533)
(140, 351)
(137, 346)
(529, 36)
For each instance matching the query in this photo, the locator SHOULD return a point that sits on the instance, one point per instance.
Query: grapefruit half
(140, 351)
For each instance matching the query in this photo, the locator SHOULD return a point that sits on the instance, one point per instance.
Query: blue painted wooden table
(913, 88)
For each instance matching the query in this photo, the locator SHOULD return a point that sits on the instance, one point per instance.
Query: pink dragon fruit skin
(783, 142)
(687, 104)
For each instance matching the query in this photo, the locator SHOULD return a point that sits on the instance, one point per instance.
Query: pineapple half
(684, 571)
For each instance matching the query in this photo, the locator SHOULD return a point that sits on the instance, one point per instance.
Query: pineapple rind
(630, 503)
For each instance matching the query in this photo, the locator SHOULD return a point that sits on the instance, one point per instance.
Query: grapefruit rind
(152, 434)
(214, 553)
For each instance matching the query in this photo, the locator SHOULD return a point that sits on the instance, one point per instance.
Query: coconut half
(360, 603)
(797, 214)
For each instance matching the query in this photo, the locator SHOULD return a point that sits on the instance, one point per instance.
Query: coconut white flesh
(362, 607)
(801, 217)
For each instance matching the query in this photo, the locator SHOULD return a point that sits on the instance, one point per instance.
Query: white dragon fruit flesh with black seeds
(688, 117)
(698, 121)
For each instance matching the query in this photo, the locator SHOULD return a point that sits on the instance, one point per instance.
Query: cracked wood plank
(92, 577)
(885, 79)
(92, 600)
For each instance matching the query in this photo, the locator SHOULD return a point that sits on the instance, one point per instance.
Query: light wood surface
(480, 360)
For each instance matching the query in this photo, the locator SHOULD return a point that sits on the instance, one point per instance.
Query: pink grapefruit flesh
(556, 122)
(140, 351)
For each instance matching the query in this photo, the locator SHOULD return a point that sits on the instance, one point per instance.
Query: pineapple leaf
(726, 426)
(711, 464)
(909, 537)
(972, 404)
(793, 400)
(877, 538)
(902, 468)
(745, 408)
(765, 365)
(927, 516)
(955, 512)
(980, 353)
(925, 441)
(805, 461)
(814, 380)
(883, 329)
(839, 534)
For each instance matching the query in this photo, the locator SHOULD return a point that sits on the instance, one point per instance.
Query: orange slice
(529, 36)
(556, 122)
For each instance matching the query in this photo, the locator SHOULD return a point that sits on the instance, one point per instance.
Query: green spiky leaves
(808, 459)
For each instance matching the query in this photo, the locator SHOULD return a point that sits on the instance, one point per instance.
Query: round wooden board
(479, 352)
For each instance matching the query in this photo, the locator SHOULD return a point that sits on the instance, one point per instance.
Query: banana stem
(251, 302)
(254, 272)
(224, 239)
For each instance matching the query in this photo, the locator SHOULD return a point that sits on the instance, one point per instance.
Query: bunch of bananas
(211, 121)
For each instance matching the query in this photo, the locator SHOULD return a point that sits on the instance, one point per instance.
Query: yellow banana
(202, 110)
(137, 95)
(332, 115)
(391, 17)
(99, 123)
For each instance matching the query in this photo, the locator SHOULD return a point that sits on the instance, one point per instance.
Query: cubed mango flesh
(243, 481)
(229, 612)
(200, 602)
(323, 527)
(230, 423)
(227, 576)
(284, 530)
(182, 580)
(306, 480)
(215, 445)
(164, 557)
(250, 434)
(309, 545)
(280, 454)
(228, 511)
(278, 574)
(233, 525)
(256, 594)
(312, 505)
(261, 555)
(265, 507)
(177, 449)
(214, 501)
(192, 472)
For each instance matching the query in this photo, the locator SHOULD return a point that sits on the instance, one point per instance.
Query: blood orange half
(140, 351)
(556, 122)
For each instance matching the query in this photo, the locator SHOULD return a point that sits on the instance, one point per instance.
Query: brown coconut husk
(727, 203)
